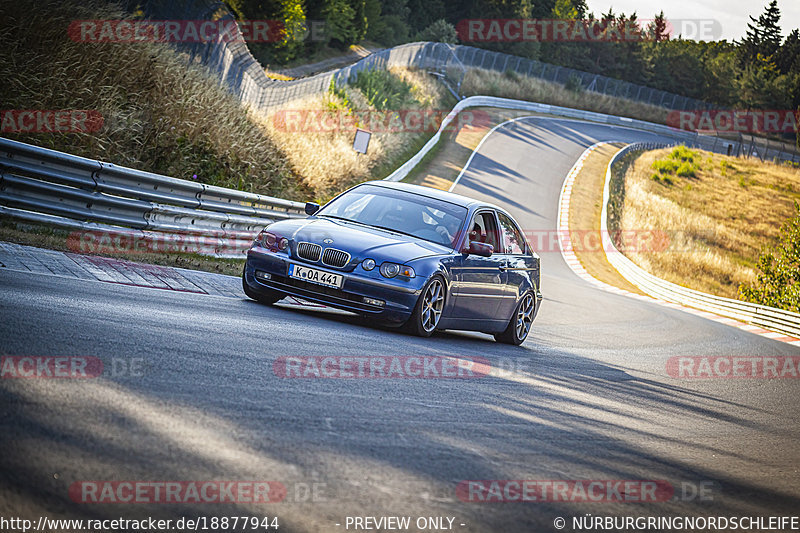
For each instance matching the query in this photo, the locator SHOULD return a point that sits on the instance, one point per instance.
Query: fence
(238, 69)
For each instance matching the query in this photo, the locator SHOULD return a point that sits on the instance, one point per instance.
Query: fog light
(375, 302)
(263, 275)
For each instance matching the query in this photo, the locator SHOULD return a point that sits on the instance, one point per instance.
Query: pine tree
(763, 36)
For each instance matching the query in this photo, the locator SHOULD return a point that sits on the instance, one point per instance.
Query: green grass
(383, 90)
(680, 162)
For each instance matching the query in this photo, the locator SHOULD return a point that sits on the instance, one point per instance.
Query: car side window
(513, 240)
(484, 229)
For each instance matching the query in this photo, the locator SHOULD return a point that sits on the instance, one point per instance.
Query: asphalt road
(586, 397)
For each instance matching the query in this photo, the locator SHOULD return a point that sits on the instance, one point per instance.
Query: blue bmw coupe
(405, 255)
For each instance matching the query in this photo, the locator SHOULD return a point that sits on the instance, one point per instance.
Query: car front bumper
(399, 300)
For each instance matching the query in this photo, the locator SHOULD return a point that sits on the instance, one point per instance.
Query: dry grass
(512, 85)
(718, 222)
(325, 160)
(159, 115)
(277, 75)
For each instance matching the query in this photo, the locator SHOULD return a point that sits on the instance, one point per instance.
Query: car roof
(430, 192)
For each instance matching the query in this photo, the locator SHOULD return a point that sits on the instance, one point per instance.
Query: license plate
(313, 275)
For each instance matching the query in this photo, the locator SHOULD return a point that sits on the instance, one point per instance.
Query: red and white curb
(40, 261)
(572, 261)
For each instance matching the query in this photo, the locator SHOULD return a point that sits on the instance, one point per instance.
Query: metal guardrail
(705, 142)
(42, 185)
(760, 315)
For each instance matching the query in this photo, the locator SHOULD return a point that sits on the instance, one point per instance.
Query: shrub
(440, 31)
(686, 170)
(681, 153)
(665, 166)
(512, 75)
(574, 84)
(778, 283)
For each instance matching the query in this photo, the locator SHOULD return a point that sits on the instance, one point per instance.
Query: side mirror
(311, 208)
(479, 248)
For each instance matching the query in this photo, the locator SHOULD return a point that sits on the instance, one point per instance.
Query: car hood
(359, 241)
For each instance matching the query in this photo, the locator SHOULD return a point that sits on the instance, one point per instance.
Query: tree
(762, 86)
(778, 283)
(359, 20)
(339, 26)
(423, 13)
(394, 22)
(763, 36)
(657, 29)
(376, 27)
(788, 57)
(440, 31)
(569, 9)
(289, 13)
(720, 68)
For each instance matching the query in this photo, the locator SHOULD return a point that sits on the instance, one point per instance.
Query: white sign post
(361, 141)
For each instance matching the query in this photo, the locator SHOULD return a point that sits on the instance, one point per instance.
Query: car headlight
(391, 270)
(267, 239)
(272, 241)
(368, 264)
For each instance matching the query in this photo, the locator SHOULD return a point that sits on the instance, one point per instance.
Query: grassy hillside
(719, 212)
(316, 133)
(158, 114)
(481, 82)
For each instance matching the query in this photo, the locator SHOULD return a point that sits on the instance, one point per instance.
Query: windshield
(399, 211)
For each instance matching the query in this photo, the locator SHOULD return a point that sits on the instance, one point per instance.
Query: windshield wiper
(392, 230)
(343, 219)
(346, 220)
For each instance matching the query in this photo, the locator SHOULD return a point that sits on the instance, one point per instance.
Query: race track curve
(587, 396)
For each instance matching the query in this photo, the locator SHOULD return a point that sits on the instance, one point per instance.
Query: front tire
(520, 323)
(429, 308)
(268, 297)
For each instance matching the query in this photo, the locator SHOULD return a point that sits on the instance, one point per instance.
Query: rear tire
(428, 311)
(520, 323)
(268, 297)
